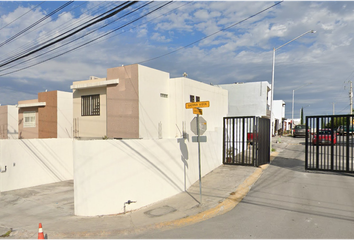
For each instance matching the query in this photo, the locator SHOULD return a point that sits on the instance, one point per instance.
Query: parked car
(324, 137)
(300, 130)
(342, 130)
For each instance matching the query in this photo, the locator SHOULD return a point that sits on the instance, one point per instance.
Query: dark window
(197, 99)
(191, 97)
(90, 105)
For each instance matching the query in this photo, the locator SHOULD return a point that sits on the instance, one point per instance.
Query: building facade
(49, 116)
(138, 102)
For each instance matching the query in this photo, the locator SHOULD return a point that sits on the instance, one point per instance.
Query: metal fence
(329, 143)
(246, 141)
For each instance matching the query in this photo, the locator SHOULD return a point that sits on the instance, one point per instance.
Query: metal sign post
(200, 164)
(196, 110)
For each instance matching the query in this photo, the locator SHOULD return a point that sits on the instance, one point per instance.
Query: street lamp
(271, 99)
(292, 112)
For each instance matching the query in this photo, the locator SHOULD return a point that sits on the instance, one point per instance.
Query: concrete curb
(224, 207)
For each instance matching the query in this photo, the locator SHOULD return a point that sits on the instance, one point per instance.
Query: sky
(215, 42)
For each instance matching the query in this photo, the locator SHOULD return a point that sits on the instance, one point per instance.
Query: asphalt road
(286, 202)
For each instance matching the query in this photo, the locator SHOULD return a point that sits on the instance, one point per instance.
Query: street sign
(202, 126)
(198, 104)
(201, 138)
(197, 111)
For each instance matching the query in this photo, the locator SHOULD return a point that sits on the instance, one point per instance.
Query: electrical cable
(178, 49)
(34, 24)
(71, 34)
(41, 44)
(77, 38)
(85, 43)
(21, 16)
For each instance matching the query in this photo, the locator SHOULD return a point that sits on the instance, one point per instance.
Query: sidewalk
(53, 206)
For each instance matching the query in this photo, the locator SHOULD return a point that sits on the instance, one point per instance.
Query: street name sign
(198, 104)
(197, 111)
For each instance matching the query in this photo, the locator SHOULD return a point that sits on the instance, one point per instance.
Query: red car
(324, 137)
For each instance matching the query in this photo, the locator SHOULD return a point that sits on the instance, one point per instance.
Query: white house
(248, 99)
(278, 115)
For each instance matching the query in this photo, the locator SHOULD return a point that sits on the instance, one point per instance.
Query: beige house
(138, 102)
(49, 116)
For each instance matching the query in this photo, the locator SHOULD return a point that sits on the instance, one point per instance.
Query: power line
(34, 24)
(15, 51)
(127, 4)
(67, 43)
(178, 49)
(82, 45)
(21, 16)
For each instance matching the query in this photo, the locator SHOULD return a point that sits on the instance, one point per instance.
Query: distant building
(49, 116)
(8, 122)
(139, 102)
(279, 116)
(248, 99)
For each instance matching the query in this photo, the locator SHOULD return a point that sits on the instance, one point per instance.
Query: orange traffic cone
(40, 232)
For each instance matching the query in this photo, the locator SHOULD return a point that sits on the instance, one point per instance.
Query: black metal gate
(329, 143)
(246, 141)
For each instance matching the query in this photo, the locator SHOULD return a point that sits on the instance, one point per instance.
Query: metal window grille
(191, 98)
(90, 105)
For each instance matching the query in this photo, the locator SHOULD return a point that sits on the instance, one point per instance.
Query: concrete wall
(248, 99)
(89, 126)
(65, 114)
(108, 173)
(154, 110)
(123, 102)
(32, 162)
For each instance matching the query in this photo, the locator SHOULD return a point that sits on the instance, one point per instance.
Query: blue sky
(242, 53)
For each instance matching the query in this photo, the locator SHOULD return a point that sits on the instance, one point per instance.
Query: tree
(302, 116)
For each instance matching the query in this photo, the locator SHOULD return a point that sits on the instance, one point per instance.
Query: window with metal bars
(90, 105)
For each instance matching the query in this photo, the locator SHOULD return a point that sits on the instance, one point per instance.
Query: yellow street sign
(197, 104)
(197, 111)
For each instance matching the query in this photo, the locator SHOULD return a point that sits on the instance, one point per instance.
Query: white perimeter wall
(108, 173)
(32, 162)
(65, 114)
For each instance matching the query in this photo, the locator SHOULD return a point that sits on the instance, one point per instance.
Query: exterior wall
(123, 102)
(181, 89)
(64, 115)
(145, 171)
(27, 132)
(3, 122)
(12, 122)
(154, 109)
(89, 126)
(33, 162)
(248, 99)
(47, 115)
(279, 112)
